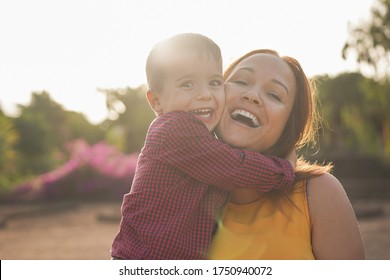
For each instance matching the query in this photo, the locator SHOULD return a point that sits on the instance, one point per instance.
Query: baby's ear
(154, 101)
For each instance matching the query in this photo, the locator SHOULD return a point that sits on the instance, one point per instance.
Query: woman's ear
(154, 101)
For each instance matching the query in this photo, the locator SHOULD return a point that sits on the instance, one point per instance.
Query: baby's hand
(292, 158)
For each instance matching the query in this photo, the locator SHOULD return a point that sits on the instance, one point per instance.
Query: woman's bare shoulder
(325, 186)
(335, 230)
(325, 179)
(326, 195)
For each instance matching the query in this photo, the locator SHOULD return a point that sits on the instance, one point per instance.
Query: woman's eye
(187, 84)
(274, 96)
(215, 83)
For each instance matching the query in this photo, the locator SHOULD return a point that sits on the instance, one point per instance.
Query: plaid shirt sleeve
(190, 147)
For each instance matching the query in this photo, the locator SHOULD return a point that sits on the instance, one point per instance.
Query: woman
(270, 108)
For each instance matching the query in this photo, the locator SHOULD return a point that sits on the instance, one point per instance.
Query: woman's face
(260, 93)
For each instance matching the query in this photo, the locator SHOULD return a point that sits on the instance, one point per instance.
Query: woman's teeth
(245, 117)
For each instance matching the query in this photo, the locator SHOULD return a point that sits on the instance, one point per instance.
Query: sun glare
(71, 48)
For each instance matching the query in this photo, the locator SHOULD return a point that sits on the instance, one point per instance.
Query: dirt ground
(81, 230)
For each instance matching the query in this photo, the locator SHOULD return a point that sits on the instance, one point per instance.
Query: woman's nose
(252, 97)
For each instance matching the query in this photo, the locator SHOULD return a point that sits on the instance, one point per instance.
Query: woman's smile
(245, 117)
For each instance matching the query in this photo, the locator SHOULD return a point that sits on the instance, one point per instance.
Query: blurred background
(73, 115)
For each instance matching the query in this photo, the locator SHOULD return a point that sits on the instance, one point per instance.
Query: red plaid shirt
(183, 178)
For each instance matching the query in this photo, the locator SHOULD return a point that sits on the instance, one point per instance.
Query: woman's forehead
(266, 65)
(263, 60)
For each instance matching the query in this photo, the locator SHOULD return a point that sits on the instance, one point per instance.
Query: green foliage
(44, 128)
(34, 133)
(36, 143)
(356, 111)
(8, 138)
(8, 154)
(371, 40)
(41, 126)
(46, 117)
(376, 110)
(131, 117)
(338, 96)
(77, 126)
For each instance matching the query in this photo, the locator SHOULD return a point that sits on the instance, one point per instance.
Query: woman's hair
(302, 126)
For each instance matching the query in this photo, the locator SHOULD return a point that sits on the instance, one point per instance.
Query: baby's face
(193, 83)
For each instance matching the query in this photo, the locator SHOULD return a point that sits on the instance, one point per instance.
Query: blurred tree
(36, 144)
(45, 111)
(376, 111)
(339, 97)
(356, 112)
(8, 155)
(130, 116)
(77, 126)
(371, 40)
(44, 128)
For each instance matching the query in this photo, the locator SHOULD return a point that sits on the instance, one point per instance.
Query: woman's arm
(335, 230)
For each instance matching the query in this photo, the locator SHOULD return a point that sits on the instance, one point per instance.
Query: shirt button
(242, 155)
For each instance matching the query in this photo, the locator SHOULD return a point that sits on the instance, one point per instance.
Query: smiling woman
(270, 108)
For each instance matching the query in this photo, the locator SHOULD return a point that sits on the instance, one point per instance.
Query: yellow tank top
(262, 230)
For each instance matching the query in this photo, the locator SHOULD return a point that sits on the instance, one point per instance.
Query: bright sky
(72, 47)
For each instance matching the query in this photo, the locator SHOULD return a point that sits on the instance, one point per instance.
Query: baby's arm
(190, 147)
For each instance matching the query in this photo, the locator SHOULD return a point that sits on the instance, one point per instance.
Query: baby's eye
(240, 82)
(215, 83)
(187, 84)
